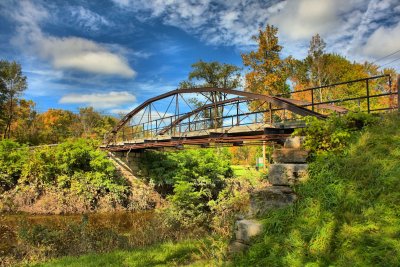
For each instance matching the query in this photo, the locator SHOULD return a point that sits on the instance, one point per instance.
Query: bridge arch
(294, 106)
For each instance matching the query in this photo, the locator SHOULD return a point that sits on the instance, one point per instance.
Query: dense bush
(190, 179)
(347, 212)
(76, 168)
(335, 132)
(13, 157)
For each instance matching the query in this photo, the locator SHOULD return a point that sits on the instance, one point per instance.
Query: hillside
(348, 210)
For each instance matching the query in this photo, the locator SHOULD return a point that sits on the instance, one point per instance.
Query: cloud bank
(65, 52)
(353, 27)
(99, 100)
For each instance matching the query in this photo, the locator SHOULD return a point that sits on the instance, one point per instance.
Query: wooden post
(264, 168)
(398, 92)
(312, 99)
(368, 106)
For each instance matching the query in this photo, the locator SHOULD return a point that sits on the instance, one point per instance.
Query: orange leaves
(268, 72)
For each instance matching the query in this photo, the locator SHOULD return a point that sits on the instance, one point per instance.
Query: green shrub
(335, 132)
(13, 156)
(190, 178)
(75, 167)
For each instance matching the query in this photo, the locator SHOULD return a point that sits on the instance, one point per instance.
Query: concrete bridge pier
(128, 160)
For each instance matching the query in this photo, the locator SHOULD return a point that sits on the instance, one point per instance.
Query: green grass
(167, 254)
(246, 172)
(348, 213)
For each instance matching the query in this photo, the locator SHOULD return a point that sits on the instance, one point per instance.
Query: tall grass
(348, 213)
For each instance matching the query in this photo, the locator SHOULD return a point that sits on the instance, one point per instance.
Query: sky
(115, 54)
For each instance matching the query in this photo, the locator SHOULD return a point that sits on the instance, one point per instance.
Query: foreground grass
(167, 254)
(348, 213)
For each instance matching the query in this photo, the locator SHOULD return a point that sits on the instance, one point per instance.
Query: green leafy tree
(213, 74)
(13, 83)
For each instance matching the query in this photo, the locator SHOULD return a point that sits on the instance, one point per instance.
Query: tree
(13, 83)
(213, 74)
(58, 125)
(26, 127)
(317, 62)
(268, 72)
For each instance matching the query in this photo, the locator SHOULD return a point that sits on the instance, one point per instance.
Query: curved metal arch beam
(335, 108)
(280, 102)
(338, 109)
(197, 110)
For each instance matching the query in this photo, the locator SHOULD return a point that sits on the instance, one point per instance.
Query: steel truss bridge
(220, 116)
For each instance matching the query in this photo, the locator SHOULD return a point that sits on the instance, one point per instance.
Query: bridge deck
(234, 135)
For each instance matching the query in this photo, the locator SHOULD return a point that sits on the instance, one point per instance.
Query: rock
(287, 174)
(294, 142)
(236, 247)
(246, 229)
(290, 155)
(272, 197)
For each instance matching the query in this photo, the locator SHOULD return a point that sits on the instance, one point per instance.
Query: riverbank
(32, 238)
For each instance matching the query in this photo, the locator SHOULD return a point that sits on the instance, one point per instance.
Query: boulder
(247, 229)
(290, 155)
(294, 142)
(287, 174)
(272, 197)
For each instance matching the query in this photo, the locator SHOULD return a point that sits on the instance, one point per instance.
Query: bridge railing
(371, 94)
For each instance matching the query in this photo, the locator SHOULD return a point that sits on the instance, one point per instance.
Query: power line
(390, 62)
(395, 52)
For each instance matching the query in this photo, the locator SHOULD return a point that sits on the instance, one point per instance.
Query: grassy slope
(348, 213)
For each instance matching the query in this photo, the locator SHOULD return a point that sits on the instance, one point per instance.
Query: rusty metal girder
(278, 101)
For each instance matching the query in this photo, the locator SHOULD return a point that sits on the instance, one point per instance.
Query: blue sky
(114, 54)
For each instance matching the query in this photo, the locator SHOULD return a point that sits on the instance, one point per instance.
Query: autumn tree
(26, 127)
(57, 125)
(12, 84)
(268, 71)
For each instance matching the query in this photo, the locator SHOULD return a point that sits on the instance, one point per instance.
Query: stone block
(287, 174)
(294, 142)
(247, 229)
(236, 247)
(272, 197)
(290, 155)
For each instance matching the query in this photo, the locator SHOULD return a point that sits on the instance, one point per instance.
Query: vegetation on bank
(74, 176)
(348, 210)
(200, 186)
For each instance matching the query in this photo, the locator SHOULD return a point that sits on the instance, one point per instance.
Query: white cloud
(81, 54)
(383, 41)
(68, 52)
(344, 24)
(301, 19)
(99, 100)
(88, 19)
(216, 22)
